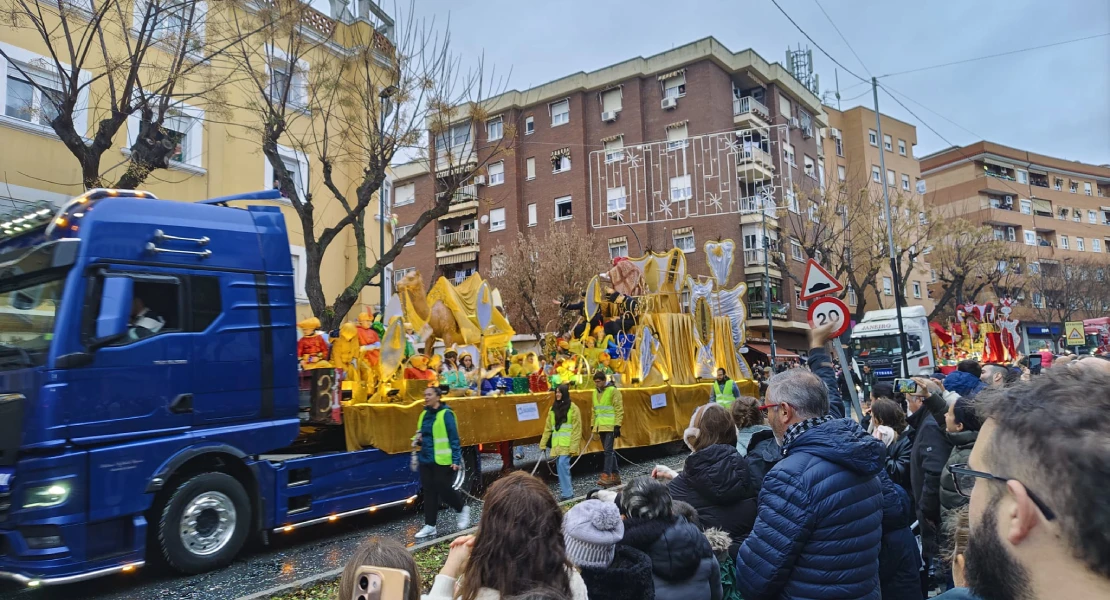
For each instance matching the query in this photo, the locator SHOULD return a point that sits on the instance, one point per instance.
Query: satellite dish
(484, 219)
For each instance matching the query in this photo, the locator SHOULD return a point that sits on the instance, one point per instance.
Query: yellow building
(219, 149)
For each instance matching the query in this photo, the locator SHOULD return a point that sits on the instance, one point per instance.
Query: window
(999, 234)
(852, 300)
(841, 174)
(813, 214)
(785, 109)
(676, 137)
(809, 167)
(1022, 176)
(287, 81)
(1087, 188)
(26, 102)
(917, 289)
(887, 143)
(890, 177)
(529, 126)
(1038, 300)
(560, 112)
(873, 137)
(1064, 242)
(1076, 215)
(615, 199)
(205, 302)
(1073, 186)
(532, 215)
(684, 239)
(796, 251)
(496, 219)
(1026, 206)
(1034, 268)
(1096, 245)
(675, 86)
(1079, 245)
(680, 188)
(399, 274)
(295, 163)
(404, 194)
(495, 128)
(902, 147)
(496, 265)
(611, 100)
(618, 247)
(562, 208)
(560, 163)
(905, 182)
(792, 201)
(614, 150)
(453, 143)
(887, 289)
(1030, 237)
(530, 167)
(788, 154)
(496, 172)
(401, 231)
(1003, 266)
(1092, 216)
(876, 174)
(1058, 183)
(839, 140)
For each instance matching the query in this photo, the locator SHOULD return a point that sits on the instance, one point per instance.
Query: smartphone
(1035, 364)
(905, 386)
(380, 583)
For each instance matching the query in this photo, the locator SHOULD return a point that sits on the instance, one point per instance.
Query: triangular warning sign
(818, 282)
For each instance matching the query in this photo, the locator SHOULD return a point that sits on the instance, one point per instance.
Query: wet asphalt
(326, 547)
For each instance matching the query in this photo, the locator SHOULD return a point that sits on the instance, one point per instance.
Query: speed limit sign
(828, 310)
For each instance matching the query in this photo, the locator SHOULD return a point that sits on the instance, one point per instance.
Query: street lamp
(386, 99)
(620, 219)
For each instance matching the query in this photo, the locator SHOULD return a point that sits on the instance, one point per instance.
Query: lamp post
(620, 219)
(385, 97)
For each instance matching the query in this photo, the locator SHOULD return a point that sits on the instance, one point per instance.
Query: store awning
(998, 163)
(780, 353)
(458, 258)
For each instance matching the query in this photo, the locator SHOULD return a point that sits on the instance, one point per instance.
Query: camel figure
(440, 321)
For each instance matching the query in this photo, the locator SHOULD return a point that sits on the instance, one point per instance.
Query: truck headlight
(46, 495)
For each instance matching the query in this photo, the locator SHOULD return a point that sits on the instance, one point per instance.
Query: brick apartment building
(671, 150)
(1051, 211)
(852, 148)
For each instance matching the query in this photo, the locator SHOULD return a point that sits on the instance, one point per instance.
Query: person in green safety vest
(607, 415)
(724, 391)
(440, 456)
(563, 435)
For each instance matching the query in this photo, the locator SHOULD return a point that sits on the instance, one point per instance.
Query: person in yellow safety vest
(440, 457)
(608, 413)
(724, 391)
(563, 434)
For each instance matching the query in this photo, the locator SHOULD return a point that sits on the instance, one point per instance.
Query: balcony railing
(465, 193)
(749, 105)
(779, 310)
(451, 241)
(754, 258)
(754, 154)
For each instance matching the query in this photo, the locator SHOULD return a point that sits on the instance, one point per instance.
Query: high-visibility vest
(724, 397)
(560, 438)
(604, 413)
(441, 444)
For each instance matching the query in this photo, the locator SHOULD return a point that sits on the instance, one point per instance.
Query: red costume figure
(312, 350)
(369, 340)
(418, 369)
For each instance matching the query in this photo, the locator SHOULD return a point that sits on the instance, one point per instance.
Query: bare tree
(969, 261)
(1069, 290)
(351, 113)
(535, 271)
(109, 60)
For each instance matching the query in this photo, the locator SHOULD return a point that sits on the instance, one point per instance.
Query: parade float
(982, 332)
(662, 352)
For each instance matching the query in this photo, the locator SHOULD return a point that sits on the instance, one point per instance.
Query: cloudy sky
(1054, 101)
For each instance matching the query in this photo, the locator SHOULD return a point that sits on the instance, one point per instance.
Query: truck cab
(149, 403)
(875, 342)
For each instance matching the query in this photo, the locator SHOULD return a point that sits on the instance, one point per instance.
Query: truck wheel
(204, 523)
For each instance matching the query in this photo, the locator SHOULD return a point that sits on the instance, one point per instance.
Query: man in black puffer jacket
(899, 558)
(931, 449)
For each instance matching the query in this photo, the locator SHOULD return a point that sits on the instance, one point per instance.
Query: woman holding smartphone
(563, 430)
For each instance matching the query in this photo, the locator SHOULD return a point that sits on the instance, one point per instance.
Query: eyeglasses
(764, 408)
(962, 469)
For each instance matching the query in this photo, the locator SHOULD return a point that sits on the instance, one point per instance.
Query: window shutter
(611, 100)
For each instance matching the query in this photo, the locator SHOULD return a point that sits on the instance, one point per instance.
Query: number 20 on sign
(828, 310)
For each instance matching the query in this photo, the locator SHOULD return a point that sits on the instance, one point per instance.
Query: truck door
(139, 384)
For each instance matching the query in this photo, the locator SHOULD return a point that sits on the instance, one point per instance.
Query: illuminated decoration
(648, 346)
(393, 349)
(663, 271)
(730, 303)
(592, 302)
(720, 256)
(705, 367)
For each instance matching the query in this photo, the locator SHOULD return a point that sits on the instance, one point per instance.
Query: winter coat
(764, 452)
(628, 577)
(957, 594)
(443, 588)
(950, 499)
(899, 559)
(717, 483)
(820, 363)
(574, 417)
(898, 459)
(819, 524)
(683, 566)
(743, 436)
(931, 449)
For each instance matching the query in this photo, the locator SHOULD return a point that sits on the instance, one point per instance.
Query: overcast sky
(1054, 101)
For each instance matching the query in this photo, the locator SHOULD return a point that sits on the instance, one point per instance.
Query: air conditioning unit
(807, 132)
(479, 180)
(609, 116)
(669, 103)
(1009, 199)
(794, 122)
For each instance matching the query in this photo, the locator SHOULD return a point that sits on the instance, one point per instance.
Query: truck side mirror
(115, 308)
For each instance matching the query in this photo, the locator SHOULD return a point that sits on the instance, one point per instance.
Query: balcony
(750, 113)
(754, 165)
(780, 311)
(464, 202)
(459, 157)
(753, 262)
(458, 247)
(752, 210)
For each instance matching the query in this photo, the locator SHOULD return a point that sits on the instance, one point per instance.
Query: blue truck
(122, 444)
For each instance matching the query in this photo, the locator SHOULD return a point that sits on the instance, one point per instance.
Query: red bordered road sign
(818, 282)
(825, 310)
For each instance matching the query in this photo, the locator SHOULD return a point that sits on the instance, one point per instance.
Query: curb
(336, 573)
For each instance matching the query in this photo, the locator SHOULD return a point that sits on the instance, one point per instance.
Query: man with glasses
(818, 526)
(1039, 508)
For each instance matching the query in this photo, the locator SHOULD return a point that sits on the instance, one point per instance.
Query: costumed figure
(312, 350)
(451, 375)
(1011, 337)
(471, 372)
(418, 369)
(369, 339)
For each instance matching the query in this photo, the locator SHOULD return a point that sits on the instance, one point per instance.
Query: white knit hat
(591, 530)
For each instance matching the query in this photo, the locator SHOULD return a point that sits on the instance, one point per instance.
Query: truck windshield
(27, 311)
(886, 345)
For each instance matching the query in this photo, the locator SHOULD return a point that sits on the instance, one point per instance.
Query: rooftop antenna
(800, 63)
